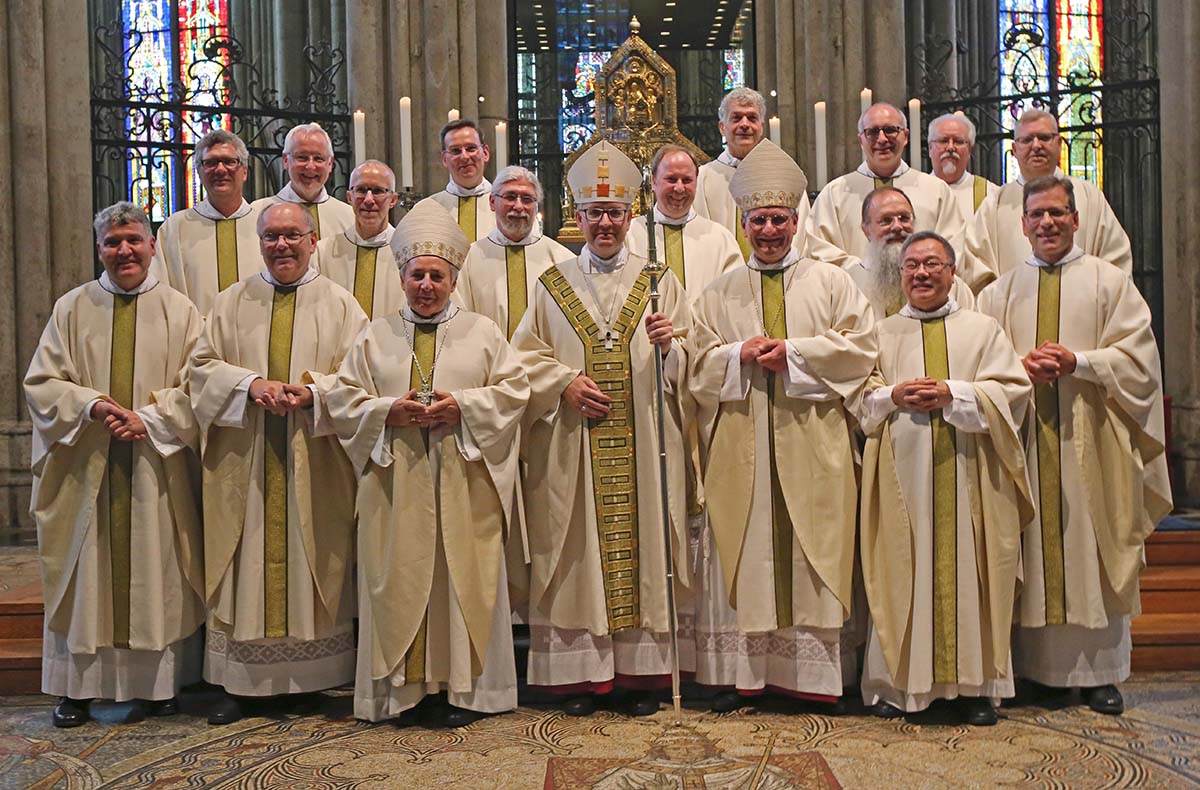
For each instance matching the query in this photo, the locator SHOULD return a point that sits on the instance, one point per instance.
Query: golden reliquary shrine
(636, 110)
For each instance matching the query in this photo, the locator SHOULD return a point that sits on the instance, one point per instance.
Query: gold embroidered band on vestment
(364, 278)
(424, 353)
(740, 234)
(275, 470)
(673, 246)
(979, 191)
(316, 217)
(774, 309)
(1045, 398)
(945, 514)
(227, 253)
(518, 298)
(120, 465)
(467, 217)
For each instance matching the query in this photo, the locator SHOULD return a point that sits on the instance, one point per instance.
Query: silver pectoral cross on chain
(425, 396)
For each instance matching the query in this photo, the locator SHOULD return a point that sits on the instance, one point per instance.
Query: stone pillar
(1179, 65)
(45, 209)
(828, 50)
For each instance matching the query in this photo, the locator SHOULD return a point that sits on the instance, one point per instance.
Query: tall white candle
(452, 116)
(776, 134)
(822, 145)
(360, 137)
(864, 99)
(500, 155)
(406, 161)
(914, 133)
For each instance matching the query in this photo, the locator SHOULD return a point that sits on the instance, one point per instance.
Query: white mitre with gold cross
(768, 177)
(604, 174)
(428, 230)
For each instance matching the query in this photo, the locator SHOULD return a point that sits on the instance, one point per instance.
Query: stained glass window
(164, 42)
(577, 123)
(735, 69)
(1055, 47)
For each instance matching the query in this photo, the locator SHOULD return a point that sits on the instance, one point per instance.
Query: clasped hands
(769, 354)
(408, 411)
(280, 398)
(122, 423)
(921, 395)
(1049, 362)
(585, 396)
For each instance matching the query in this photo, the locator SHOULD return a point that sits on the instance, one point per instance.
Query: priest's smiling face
(428, 282)
(126, 251)
(515, 207)
(770, 231)
(742, 129)
(675, 184)
(604, 235)
(464, 156)
(222, 173)
(1050, 223)
(372, 194)
(309, 164)
(1037, 145)
(286, 237)
(927, 274)
(883, 139)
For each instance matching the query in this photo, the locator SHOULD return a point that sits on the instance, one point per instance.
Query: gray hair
(741, 97)
(310, 226)
(122, 213)
(862, 119)
(517, 173)
(391, 175)
(941, 119)
(220, 137)
(289, 142)
(1041, 184)
(1032, 115)
(926, 235)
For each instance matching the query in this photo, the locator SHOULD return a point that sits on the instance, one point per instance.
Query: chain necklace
(606, 316)
(425, 396)
(758, 302)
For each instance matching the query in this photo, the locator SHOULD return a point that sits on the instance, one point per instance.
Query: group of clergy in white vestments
(913, 435)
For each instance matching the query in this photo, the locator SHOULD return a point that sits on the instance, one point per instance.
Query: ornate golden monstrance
(635, 111)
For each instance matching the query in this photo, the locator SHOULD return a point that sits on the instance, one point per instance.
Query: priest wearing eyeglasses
(833, 225)
(308, 160)
(358, 258)
(464, 155)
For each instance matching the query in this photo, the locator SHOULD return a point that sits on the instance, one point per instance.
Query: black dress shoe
(461, 717)
(978, 711)
(162, 707)
(584, 705)
(125, 712)
(641, 703)
(70, 712)
(838, 707)
(225, 710)
(883, 710)
(1105, 699)
(726, 701)
(433, 711)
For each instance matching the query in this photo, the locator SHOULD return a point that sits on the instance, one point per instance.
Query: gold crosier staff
(654, 269)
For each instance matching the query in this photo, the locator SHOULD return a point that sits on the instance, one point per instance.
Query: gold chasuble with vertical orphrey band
(120, 463)
(945, 514)
(611, 442)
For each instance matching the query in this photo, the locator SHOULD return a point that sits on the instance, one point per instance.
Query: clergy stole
(275, 469)
(979, 190)
(884, 182)
(227, 253)
(120, 464)
(518, 297)
(774, 315)
(612, 442)
(740, 234)
(364, 278)
(466, 216)
(424, 354)
(1045, 398)
(945, 514)
(673, 247)
(312, 210)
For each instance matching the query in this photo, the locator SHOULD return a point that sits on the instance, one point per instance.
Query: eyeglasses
(887, 221)
(760, 221)
(1041, 138)
(950, 142)
(933, 267)
(378, 192)
(291, 237)
(213, 162)
(517, 197)
(1053, 213)
(890, 132)
(303, 159)
(597, 214)
(461, 150)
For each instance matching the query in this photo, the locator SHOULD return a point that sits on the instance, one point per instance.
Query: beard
(884, 262)
(948, 164)
(515, 227)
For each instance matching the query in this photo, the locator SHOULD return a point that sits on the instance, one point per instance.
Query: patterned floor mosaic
(1038, 744)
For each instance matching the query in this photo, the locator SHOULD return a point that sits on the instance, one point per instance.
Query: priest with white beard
(116, 496)
(951, 141)
(1095, 449)
(996, 243)
(833, 224)
(466, 194)
(308, 160)
(428, 405)
(358, 258)
(204, 249)
(741, 118)
(779, 345)
(598, 598)
(887, 221)
(944, 497)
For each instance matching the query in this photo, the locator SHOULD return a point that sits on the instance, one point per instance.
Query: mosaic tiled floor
(1155, 744)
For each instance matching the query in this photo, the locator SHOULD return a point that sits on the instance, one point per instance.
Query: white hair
(964, 120)
(741, 97)
(391, 176)
(862, 119)
(517, 173)
(289, 142)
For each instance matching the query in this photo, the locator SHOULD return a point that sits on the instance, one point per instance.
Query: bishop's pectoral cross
(425, 396)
